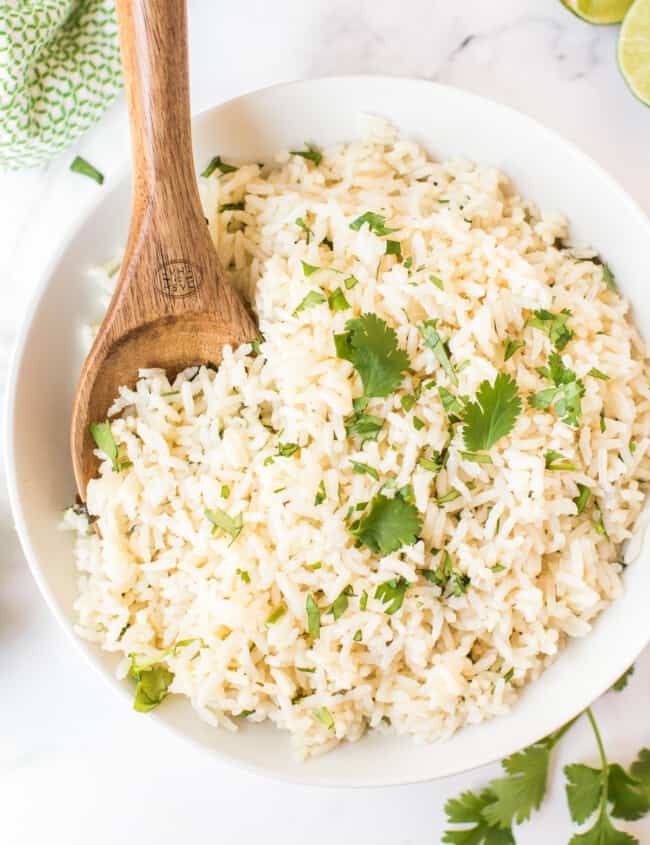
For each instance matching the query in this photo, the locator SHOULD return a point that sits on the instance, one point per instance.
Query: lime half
(634, 49)
(598, 11)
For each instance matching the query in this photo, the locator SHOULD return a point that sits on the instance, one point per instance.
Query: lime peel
(599, 12)
(633, 51)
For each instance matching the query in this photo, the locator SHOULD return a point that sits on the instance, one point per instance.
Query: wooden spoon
(173, 307)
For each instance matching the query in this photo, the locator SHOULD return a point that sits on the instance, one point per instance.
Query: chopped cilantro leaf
(325, 717)
(371, 346)
(437, 281)
(451, 496)
(408, 262)
(313, 617)
(434, 342)
(350, 282)
(435, 463)
(302, 225)
(594, 373)
(309, 269)
(449, 401)
(362, 469)
(556, 461)
(243, 574)
(554, 325)
(394, 248)
(321, 495)
(582, 499)
(418, 424)
(337, 301)
(286, 450)
(232, 206)
(85, 168)
(363, 601)
(511, 347)
(358, 636)
(566, 395)
(392, 593)
(103, 437)
(608, 278)
(599, 523)
(216, 164)
(151, 688)
(376, 223)
(389, 524)
(365, 426)
(220, 519)
(314, 297)
(340, 603)
(311, 154)
(492, 415)
(276, 614)
(450, 581)
(407, 402)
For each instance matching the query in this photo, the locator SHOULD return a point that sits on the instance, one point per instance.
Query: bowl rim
(18, 510)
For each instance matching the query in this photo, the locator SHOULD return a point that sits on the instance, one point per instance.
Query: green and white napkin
(59, 71)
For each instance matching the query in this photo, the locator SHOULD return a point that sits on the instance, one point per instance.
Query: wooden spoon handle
(170, 266)
(153, 40)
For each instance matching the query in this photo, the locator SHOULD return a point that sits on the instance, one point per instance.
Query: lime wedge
(634, 50)
(598, 11)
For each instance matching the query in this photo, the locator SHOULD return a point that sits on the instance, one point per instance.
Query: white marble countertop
(76, 766)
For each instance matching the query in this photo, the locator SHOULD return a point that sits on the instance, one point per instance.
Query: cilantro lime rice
(393, 510)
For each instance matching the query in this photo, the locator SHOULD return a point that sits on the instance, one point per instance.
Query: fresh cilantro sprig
(507, 800)
(609, 792)
(492, 415)
(388, 524)
(602, 794)
(565, 397)
(371, 347)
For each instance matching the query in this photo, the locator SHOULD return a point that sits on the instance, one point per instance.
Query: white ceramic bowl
(49, 355)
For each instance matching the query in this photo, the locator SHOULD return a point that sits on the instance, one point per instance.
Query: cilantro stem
(601, 747)
(602, 813)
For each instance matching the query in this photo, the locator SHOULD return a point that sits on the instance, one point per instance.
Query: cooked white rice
(538, 572)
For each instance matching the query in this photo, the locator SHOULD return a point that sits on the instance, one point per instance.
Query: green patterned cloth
(59, 71)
